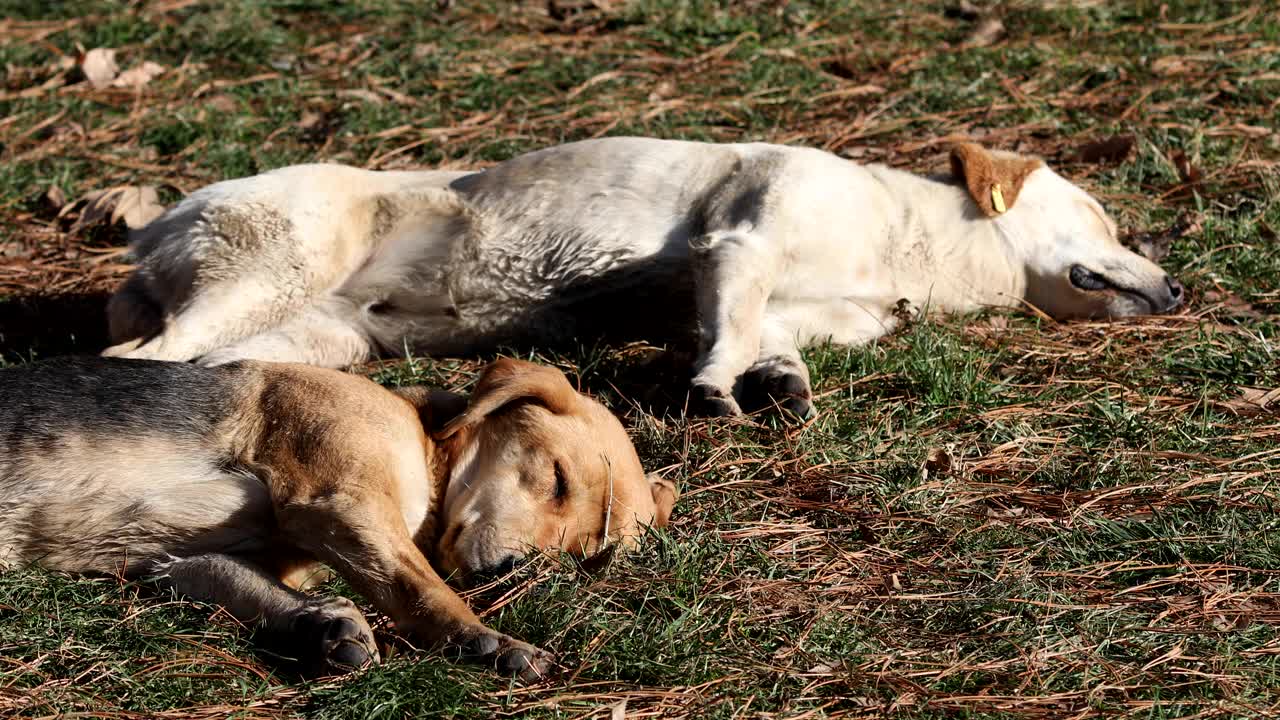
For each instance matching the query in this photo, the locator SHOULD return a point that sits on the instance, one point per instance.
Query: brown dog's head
(538, 466)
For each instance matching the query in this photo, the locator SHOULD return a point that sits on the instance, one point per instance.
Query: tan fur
(318, 466)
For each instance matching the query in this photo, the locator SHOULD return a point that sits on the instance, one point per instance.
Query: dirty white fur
(76, 516)
(771, 247)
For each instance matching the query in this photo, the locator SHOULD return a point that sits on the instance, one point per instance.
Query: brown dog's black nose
(1176, 291)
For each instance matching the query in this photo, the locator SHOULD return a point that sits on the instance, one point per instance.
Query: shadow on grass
(41, 326)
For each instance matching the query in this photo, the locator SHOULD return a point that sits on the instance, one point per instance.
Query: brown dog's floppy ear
(994, 181)
(506, 381)
(664, 499)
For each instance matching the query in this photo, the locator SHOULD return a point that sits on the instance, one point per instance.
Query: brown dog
(231, 484)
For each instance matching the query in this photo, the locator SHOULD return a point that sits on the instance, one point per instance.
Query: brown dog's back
(111, 465)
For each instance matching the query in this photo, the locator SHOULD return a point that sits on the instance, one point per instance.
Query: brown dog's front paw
(508, 656)
(333, 638)
(710, 401)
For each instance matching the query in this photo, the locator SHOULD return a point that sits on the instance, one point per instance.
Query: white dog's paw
(710, 401)
(778, 385)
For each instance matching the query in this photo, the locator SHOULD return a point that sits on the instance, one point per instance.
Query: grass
(993, 516)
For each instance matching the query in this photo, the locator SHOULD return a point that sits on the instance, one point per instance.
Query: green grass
(993, 516)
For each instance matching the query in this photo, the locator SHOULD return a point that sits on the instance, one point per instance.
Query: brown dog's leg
(365, 539)
(329, 636)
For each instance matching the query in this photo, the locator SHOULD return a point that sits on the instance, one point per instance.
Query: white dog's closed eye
(598, 237)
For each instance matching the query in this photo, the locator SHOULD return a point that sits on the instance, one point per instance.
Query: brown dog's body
(232, 484)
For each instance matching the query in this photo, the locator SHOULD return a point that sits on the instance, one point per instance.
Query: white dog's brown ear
(506, 381)
(994, 181)
(664, 499)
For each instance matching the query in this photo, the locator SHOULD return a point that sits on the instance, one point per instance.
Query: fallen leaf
(137, 206)
(963, 10)
(1155, 246)
(938, 462)
(662, 90)
(309, 120)
(138, 75)
(368, 96)
(99, 67)
(1188, 173)
(619, 710)
(1111, 150)
(986, 33)
(1232, 304)
(55, 198)
(1171, 65)
(1254, 401)
(222, 103)
(845, 67)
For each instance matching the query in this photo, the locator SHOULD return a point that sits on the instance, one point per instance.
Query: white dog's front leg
(734, 273)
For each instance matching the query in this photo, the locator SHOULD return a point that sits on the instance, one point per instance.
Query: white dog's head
(1074, 262)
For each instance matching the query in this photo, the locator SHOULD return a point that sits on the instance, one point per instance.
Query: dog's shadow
(45, 325)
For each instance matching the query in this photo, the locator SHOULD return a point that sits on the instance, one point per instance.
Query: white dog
(774, 247)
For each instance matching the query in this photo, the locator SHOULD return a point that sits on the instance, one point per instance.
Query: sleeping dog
(231, 484)
(765, 248)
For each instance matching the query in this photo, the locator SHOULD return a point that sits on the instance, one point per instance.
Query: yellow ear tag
(997, 198)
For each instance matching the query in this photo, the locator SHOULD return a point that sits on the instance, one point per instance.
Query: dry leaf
(310, 119)
(938, 462)
(368, 96)
(222, 103)
(963, 10)
(987, 33)
(1188, 173)
(1155, 246)
(1254, 401)
(1171, 65)
(663, 89)
(1232, 304)
(619, 710)
(137, 206)
(99, 67)
(55, 198)
(138, 75)
(1111, 150)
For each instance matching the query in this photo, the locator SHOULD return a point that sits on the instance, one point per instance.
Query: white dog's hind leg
(217, 315)
(321, 335)
(734, 275)
(328, 635)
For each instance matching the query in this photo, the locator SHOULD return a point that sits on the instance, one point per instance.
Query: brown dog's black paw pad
(333, 639)
(527, 663)
(348, 647)
(480, 647)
